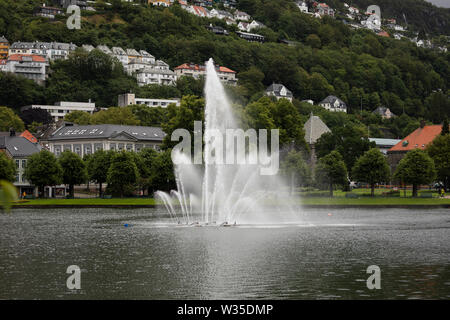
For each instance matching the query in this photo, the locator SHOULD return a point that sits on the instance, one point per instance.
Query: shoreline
(306, 206)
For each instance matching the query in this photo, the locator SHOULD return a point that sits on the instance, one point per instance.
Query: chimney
(422, 124)
(12, 132)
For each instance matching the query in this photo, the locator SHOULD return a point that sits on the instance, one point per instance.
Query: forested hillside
(363, 69)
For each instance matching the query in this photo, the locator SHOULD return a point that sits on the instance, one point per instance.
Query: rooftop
(107, 131)
(418, 139)
(314, 129)
(19, 146)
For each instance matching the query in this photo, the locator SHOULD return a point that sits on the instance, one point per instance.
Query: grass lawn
(339, 199)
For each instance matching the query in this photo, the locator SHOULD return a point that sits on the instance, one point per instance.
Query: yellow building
(4, 47)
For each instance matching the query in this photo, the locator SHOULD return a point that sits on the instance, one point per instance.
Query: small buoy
(329, 214)
(125, 225)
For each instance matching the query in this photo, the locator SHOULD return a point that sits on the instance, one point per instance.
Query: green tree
(8, 120)
(439, 151)
(7, 168)
(122, 174)
(295, 169)
(147, 168)
(163, 177)
(251, 81)
(115, 115)
(445, 127)
(73, 170)
(416, 168)
(98, 165)
(43, 169)
(331, 170)
(372, 168)
(78, 117)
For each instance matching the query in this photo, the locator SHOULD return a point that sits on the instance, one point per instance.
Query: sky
(440, 3)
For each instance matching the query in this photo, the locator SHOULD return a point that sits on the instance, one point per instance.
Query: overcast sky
(440, 3)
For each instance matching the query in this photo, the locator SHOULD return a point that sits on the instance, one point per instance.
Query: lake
(137, 254)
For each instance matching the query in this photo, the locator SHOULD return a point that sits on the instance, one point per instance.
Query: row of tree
(418, 167)
(124, 172)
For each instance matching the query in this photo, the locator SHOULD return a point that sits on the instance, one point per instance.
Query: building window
(17, 164)
(129, 147)
(17, 178)
(24, 164)
(78, 151)
(112, 146)
(121, 146)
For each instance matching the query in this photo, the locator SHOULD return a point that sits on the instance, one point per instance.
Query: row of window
(112, 146)
(21, 164)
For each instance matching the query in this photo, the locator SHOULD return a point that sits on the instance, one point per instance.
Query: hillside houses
(333, 103)
(48, 50)
(196, 71)
(30, 66)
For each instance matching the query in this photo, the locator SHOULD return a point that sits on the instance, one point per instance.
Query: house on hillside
(384, 112)
(196, 71)
(4, 48)
(279, 91)
(242, 16)
(333, 103)
(302, 6)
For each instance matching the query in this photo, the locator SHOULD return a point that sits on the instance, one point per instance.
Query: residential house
(384, 112)
(133, 55)
(383, 34)
(127, 99)
(155, 75)
(87, 139)
(3, 66)
(252, 37)
(418, 139)
(242, 16)
(314, 129)
(225, 74)
(229, 3)
(120, 54)
(48, 12)
(19, 149)
(302, 6)
(217, 30)
(255, 24)
(164, 3)
(279, 91)
(4, 48)
(333, 103)
(30, 66)
(353, 10)
(384, 144)
(60, 109)
(82, 4)
(87, 47)
(221, 14)
(199, 11)
(147, 57)
(322, 9)
(372, 23)
(105, 49)
(48, 50)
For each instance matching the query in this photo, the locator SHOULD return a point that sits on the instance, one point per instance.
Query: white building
(279, 91)
(243, 16)
(60, 109)
(333, 103)
(48, 50)
(88, 139)
(127, 99)
(154, 75)
(30, 66)
(120, 54)
(225, 74)
(302, 6)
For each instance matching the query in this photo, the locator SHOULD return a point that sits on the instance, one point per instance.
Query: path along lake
(138, 254)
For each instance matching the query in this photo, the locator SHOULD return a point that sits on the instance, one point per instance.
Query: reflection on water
(323, 255)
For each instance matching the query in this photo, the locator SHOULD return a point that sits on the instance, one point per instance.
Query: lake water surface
(323, 256)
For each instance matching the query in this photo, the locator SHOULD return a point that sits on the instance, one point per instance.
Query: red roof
(27, 135)
(199, 10)
(383, 34)
(18, 57)
(197, 67)
(419, 139)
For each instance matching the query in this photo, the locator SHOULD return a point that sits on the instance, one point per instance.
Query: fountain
(222, 194)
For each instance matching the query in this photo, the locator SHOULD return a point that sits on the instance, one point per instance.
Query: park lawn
(371, 201)
(310, 201)
(90, 201)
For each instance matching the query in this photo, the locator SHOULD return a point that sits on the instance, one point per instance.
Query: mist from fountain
(221, 194)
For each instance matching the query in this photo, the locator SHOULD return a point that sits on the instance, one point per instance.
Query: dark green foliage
(7, 168)
(371, 168)
(331, 170)
(122, 175)
(43, 169)
(73, 170)
(439, 151)
(416, 168)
